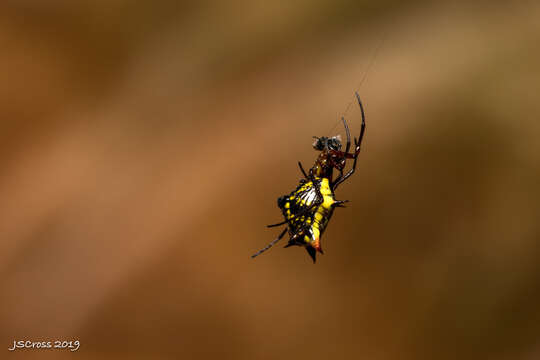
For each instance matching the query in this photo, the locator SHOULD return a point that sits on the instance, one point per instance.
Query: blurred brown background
(144, 144)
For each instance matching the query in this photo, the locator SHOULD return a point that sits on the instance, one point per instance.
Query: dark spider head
(326, 143)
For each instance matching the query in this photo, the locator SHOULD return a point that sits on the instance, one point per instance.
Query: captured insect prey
(310, 206)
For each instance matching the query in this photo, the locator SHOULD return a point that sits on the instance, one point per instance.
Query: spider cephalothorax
(310, 206)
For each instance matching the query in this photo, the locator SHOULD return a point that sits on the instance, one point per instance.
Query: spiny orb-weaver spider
(310, 206)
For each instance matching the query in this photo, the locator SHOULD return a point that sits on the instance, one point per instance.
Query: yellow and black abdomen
(307, 212)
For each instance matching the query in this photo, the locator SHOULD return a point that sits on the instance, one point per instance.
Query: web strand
(362, 80)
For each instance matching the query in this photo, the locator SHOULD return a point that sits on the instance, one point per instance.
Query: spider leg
(270, 244)
(363, 128)
(357, 143)
(338, 178)
(339, 203)
(341, 179)
(302, 170)
(347, 146)
(348, 133)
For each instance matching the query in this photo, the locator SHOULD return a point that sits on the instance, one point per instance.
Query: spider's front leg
(341, 178)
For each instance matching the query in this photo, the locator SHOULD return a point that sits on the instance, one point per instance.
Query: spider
(310, 206)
